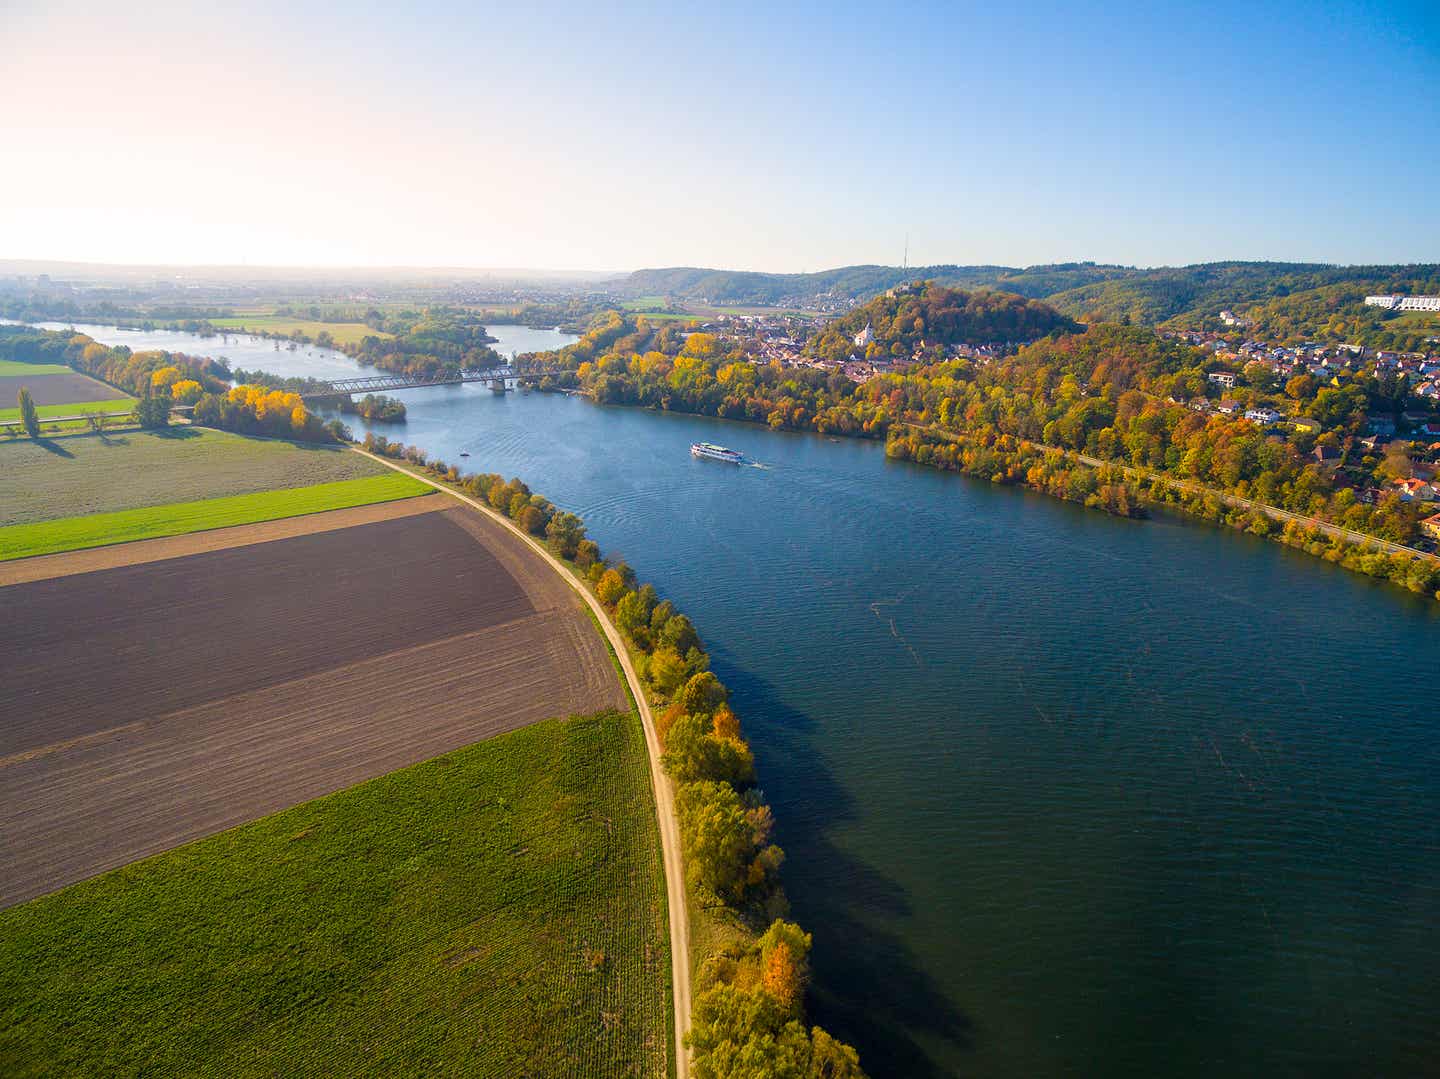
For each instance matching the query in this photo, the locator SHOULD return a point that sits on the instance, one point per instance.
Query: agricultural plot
(58, 391)
(497, 911)
(344, 333)
(50, 412)
(179, 518)
(74, 476)
(224, 685)
(20, 367)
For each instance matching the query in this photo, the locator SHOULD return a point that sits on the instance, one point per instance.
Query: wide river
(1061, 794)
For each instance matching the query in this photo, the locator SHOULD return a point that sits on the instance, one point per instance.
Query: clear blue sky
(786, 137)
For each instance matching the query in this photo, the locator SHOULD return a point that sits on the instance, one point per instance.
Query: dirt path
(664, 795)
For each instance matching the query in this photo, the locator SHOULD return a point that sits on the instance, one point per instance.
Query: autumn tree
(610, 587)
(784, 962)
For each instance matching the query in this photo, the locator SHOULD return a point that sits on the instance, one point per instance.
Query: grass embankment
(119, 404)
(344, 333)
(69, 477)
(497, 911)
(178, 518)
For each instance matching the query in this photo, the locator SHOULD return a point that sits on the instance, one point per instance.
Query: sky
(782, 137)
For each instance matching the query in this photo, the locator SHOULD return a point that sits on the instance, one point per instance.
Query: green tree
(703, 694)
(29, 418)
(153, 411)
(740, 1035)
(720, 837)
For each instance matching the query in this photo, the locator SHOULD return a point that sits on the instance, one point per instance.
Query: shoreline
(679, 918)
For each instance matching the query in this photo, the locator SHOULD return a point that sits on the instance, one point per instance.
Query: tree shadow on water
(870, 988)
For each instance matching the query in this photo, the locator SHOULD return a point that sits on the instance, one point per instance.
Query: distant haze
(593, 138)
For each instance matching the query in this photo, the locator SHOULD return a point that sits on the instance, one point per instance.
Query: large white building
(865, 336)
(1405, 303)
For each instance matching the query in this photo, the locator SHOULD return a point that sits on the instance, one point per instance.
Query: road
(664, 795)
(1234, 501)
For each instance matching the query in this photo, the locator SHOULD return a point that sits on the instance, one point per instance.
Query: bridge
(343, 387)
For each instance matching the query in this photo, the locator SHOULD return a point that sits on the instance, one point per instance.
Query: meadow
(88, 474)
(344, 333)
(495, 911)
(178, 518)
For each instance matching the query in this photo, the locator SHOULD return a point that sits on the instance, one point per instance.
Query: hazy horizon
(787, 141)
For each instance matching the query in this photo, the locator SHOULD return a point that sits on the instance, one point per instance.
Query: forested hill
(1284, 300)
(1187, 294)
(697, 285)
(908, 317)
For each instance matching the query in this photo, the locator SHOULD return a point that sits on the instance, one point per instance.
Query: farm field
(227, 684)
(177, 518)
(68, 390)
(20, 367)
(74, 476)
(344, 333)
(118, 404)
(497, 911)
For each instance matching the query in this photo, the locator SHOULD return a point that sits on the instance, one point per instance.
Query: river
(1061, 794)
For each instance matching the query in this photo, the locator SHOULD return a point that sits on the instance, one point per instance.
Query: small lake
(1061, 794)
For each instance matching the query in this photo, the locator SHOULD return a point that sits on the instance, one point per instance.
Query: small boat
(715, 453)
(464, 454)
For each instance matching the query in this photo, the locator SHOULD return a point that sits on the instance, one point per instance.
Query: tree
(692, 753)
(678, 633)
(740, 1035)
(186, 391)
(29, 417)
(153, 411)
(666, 671)
(718, 837)
(610, 587)
(703, 694)
(632, 615)
(784, 962)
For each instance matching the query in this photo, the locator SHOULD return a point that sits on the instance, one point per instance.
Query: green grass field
(79, 475)
(151, 522)
(44, 411)
(498, 911)
(16, 367)
(344, 333)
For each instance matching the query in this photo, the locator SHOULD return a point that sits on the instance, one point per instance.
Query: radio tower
(905, 265)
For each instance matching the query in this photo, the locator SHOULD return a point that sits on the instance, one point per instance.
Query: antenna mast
(906, 264)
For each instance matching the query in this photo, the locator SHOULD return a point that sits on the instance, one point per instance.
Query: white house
(1222, 378)
(1263, 416)
(1405, 303)
(865, 336)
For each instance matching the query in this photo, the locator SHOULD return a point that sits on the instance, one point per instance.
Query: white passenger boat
(715, 453)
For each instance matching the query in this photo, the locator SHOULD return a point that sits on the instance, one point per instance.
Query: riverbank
(660, 783)
(1110, 486)
(754, 971)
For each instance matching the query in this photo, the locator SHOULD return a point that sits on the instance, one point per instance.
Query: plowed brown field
(57, 389)
(149, 704)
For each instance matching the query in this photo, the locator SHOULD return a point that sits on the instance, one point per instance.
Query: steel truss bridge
(342, 387)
